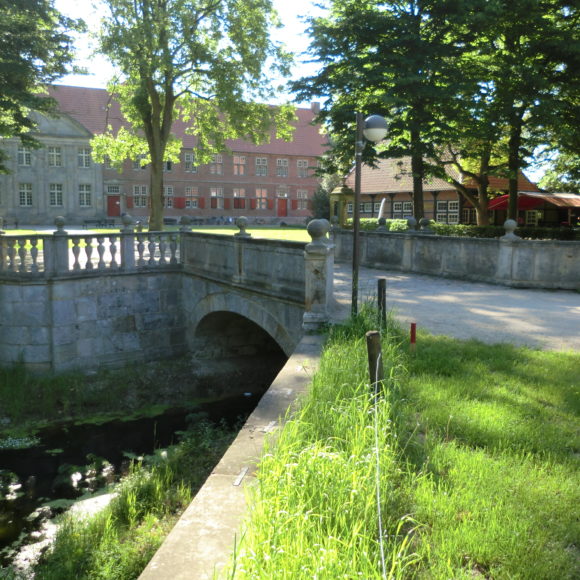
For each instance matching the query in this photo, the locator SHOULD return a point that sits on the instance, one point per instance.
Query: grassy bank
(466, 466)
(118, 542)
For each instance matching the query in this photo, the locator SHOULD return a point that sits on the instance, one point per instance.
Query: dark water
(43, 473)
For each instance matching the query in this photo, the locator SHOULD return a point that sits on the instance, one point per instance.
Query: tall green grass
(477, 472)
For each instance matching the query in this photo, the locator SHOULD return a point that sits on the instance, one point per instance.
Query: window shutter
(179, 202)
(129, 202)
(253, 204)
(294, 204)
(201, 203)
(213, 202)
(226, 203)
(242, 203)
(270, 204)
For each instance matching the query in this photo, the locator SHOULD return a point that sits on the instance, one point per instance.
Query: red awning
(524, 202)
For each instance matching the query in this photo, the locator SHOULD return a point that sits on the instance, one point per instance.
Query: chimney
(315, 107)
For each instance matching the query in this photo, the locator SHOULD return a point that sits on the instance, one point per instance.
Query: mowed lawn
(273, 233)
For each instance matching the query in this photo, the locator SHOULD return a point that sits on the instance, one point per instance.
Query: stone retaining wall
(509, 261)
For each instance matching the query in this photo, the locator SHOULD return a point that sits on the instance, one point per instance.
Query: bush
(526, 232)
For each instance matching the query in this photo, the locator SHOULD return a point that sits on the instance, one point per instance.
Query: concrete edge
(202, 541)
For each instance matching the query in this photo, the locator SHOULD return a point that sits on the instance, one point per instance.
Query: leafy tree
(321, 199)
(563, 176)
(202, 62)
(390, 58)
(35, 49)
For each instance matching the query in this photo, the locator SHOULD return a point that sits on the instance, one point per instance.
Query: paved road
(547, 319)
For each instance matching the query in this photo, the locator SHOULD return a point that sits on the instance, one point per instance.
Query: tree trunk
(514, 145)
(418, 170)
(156, 181)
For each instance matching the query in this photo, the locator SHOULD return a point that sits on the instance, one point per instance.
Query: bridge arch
(230, 302)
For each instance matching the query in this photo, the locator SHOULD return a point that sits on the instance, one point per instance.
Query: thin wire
(378, 472)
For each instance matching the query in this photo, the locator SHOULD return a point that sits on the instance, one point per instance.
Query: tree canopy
(205, 62)
(35, 49)
(475, 84)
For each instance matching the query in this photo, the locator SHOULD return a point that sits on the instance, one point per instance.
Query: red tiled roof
(94, 109)
(395, 176)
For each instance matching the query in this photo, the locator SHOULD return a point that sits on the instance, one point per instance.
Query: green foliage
(35, 49)
(564, 175)
(526, 232)
(371, 224)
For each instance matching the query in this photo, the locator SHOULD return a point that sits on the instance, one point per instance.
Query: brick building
(268, 183)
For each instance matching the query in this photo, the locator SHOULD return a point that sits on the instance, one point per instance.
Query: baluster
(162, 248)
(113, 250)
(151, 246)
(89, 252)
(173, 249)
(76, 250)
(11, 255)
(22, 254)
(34, 254)
(101, 252)
(140, 249)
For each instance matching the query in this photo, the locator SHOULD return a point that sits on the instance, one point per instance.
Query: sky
(100, 71)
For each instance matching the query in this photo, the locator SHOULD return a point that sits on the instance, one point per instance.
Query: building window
(468, 215)
(368, 207)
(239, 165)
(217, 197)
(261, 195)
(442, 206)
(190, 197)
(441, 218)
(167, 166)
(398, 206)
(282, 167)
(139, 196)
(453, 206)
(84, 157)
(24, 156)
(282, 191)
(302, 165)
(168, 195)
(377, 207)
(349, 207)
(189, 159)
(262, 166)
(217, 165)
(302, 194)
(25, 194)
(55, 194)
(532, 217)
(140, 163)
(239, 195)
(408, 208)
(112, 189)
(85, 197)
(55, 157)
(453, 218)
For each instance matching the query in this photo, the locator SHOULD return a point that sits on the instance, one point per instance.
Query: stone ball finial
(382, 225)
(510, 227)
(317, 229)
(59, 222)
(242, 223)
(126, 220)
(185, 220)
(424, 224)
(412, 223)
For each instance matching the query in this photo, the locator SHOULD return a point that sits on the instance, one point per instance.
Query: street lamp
(373, 128)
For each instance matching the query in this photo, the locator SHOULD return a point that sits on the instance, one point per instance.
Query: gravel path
(546, 319)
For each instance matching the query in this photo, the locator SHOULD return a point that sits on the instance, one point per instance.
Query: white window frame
(84, 157)
(189, 162)
(282, 167)
(24, 156)
(85, 195)
(302, 166)
(398, 207)
(25, 194)
(54, 156)
(408, 207)
(262, 166)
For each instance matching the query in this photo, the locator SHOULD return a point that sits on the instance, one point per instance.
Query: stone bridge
(70, 301)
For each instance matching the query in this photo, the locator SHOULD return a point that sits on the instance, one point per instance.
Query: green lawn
(478, 456)
(275, 233)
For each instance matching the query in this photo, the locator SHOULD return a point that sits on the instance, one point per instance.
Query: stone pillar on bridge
(127, 243)
(318, 258)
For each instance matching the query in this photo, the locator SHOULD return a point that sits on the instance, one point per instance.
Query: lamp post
(373, 128)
